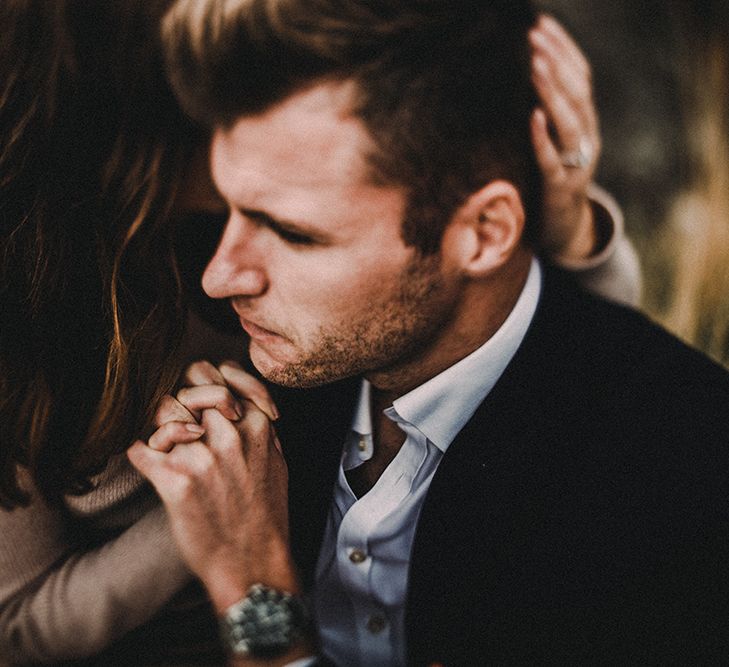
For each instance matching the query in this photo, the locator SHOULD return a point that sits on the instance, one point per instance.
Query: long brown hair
(92, 148)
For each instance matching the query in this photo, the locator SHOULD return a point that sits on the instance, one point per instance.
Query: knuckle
(223, 396)
(167, 410)
(230, 447)
(180, 488)
(206, 464)
(196, 464)
(170, 430)
(200, 369)
(201, 365)
(214, 392)
(156, 442)
(185, 400)
(230, 364)
(178, 432)
(184, 394)
(229, 431)
(256, 421)
(202, 373)
(167, 402)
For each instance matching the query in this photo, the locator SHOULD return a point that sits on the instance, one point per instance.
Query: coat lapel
(476, 505)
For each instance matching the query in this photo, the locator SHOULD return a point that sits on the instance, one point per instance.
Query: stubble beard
(390, 331)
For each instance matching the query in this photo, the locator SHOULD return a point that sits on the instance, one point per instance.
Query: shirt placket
(355, 559)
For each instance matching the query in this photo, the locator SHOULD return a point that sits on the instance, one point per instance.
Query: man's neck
(482, 310)
(476, 322)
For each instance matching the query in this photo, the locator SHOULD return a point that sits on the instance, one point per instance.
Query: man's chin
(293, 374)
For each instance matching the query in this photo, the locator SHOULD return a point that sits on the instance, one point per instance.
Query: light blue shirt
(363, 566)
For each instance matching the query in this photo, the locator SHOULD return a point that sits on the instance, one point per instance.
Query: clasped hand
(217, 465)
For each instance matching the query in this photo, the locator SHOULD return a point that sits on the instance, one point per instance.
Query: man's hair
(443, 86)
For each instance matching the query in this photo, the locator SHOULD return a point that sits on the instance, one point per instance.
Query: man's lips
(251, 328)
(255, 331)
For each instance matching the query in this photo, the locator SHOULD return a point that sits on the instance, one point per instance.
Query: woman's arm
(58, 602)
(582, 226)
(613, 270)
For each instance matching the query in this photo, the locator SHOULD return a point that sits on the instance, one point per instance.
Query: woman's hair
(92, 148)
(699, 234)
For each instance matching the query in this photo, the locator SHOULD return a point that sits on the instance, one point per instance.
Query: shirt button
(376, 624)
(362, 445)
(357, 556)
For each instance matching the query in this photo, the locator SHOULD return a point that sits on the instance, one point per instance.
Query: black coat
(581, 516)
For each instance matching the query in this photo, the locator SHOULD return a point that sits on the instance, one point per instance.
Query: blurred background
(661, 79)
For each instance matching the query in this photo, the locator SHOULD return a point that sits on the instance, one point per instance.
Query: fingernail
(195, 428)
(238, 410)
(274, 411)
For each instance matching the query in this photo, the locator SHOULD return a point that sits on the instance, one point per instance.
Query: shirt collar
(442, 406)
(362, 422)
(359, 446)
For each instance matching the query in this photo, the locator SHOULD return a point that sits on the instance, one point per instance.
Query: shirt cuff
(610, 230)
(308, 661)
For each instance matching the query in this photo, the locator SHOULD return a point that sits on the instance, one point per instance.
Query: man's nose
(234, 270)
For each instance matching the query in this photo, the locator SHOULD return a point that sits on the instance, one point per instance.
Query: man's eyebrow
(285, 226)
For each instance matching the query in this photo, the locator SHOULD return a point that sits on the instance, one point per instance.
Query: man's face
(312, 258)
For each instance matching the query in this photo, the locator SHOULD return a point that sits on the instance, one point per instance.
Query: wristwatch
(265, 623)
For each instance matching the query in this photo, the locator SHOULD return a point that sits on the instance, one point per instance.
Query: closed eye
(284, 230)
(291, 237)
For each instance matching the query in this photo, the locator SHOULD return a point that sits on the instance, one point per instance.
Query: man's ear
(485, 231)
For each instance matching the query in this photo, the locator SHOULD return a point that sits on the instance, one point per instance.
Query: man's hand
(566, 139)
(224, 484)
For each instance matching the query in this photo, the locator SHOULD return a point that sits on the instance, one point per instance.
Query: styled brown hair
(92, 147)
(444, 85)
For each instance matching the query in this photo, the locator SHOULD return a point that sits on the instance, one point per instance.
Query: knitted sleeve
(614, 272)
(59, 600)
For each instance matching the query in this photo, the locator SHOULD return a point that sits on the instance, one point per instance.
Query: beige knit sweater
(60, 599)
(72, 582)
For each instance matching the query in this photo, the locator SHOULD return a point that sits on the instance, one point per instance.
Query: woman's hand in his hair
(566, 137)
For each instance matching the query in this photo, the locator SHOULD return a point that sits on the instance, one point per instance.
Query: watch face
(264, 624)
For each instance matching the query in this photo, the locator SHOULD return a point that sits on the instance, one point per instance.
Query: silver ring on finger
(580, 157)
